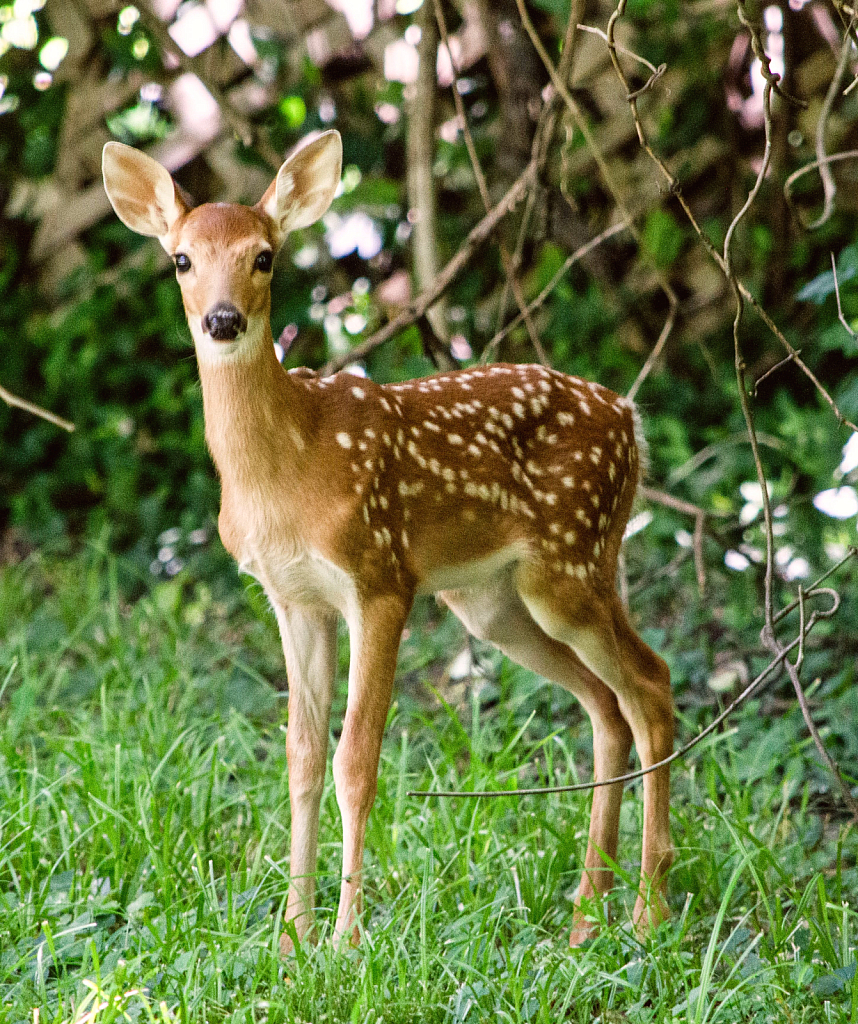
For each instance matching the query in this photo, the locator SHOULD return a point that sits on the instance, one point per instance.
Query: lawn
(144, 824)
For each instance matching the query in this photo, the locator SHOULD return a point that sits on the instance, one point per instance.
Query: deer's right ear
(140, 190)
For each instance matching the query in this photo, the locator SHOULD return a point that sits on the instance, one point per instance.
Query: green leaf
(822, 285)
(662, 238)
(294, 110)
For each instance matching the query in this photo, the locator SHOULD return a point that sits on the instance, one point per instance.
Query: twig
(800, 363)
(577, 787)
(817, 585)
(534, 304)
(653, 70)
(739, 363)
(710, 451)
(632, 97)
(829, 188)
(831, 764)
(418, 306)
(655, 353)
(847, 154)
(648, 84)
(36, 410)
(699, 514)
(598, 157)
(674, 188)
(542, 139)
(667, 569)
(840, 315)
(774, 369)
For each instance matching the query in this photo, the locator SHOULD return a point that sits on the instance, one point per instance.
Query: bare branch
(828, 186)
(552, 284)
(675, 188)
(418, 306)
(847, 154)
(36, 410)
(542, 140)
(653, 70)
(749, 690)
(506, 259)
(840, 315)
(768, 635)
(421, 158)
(699, 514)
(774, 369)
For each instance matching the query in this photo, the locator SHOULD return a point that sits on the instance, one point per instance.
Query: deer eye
(264, 261)
(183, 262)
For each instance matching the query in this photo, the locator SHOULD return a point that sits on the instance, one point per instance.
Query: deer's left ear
(305, 184)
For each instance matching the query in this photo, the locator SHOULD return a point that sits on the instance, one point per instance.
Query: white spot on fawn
(344, 439)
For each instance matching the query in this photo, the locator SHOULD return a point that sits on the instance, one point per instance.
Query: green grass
(144, 826)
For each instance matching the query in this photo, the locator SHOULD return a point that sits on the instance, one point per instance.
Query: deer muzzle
(224, 322)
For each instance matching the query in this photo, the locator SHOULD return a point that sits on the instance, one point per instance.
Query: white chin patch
(242, 348)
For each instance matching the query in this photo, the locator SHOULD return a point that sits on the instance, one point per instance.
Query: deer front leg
(310, 648)
(375, 633)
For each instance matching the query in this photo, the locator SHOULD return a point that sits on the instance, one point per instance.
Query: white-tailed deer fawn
(504, 488)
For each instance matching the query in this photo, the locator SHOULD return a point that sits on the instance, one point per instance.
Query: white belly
(310, 579)
(307, 579)
(473, 574)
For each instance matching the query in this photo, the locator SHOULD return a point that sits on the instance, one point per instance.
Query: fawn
(505, 489)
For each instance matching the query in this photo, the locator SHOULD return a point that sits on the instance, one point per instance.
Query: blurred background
(91, 324)
(142, 763)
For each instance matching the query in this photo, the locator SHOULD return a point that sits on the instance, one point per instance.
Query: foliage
(108, 347)
(145, 834)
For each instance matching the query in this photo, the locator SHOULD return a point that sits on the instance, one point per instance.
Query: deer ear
(140, 190)
(305, 184)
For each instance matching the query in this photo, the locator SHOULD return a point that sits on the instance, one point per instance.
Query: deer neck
(256, 428)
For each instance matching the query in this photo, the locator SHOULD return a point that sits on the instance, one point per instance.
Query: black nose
(224, 322)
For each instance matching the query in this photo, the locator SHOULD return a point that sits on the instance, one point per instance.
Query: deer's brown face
(223, 255)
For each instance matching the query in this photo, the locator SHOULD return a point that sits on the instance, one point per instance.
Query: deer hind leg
(595, 626)
(375, 634)
(310, 648)
(497, 614)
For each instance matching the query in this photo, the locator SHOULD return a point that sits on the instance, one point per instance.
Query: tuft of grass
(144, 825)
